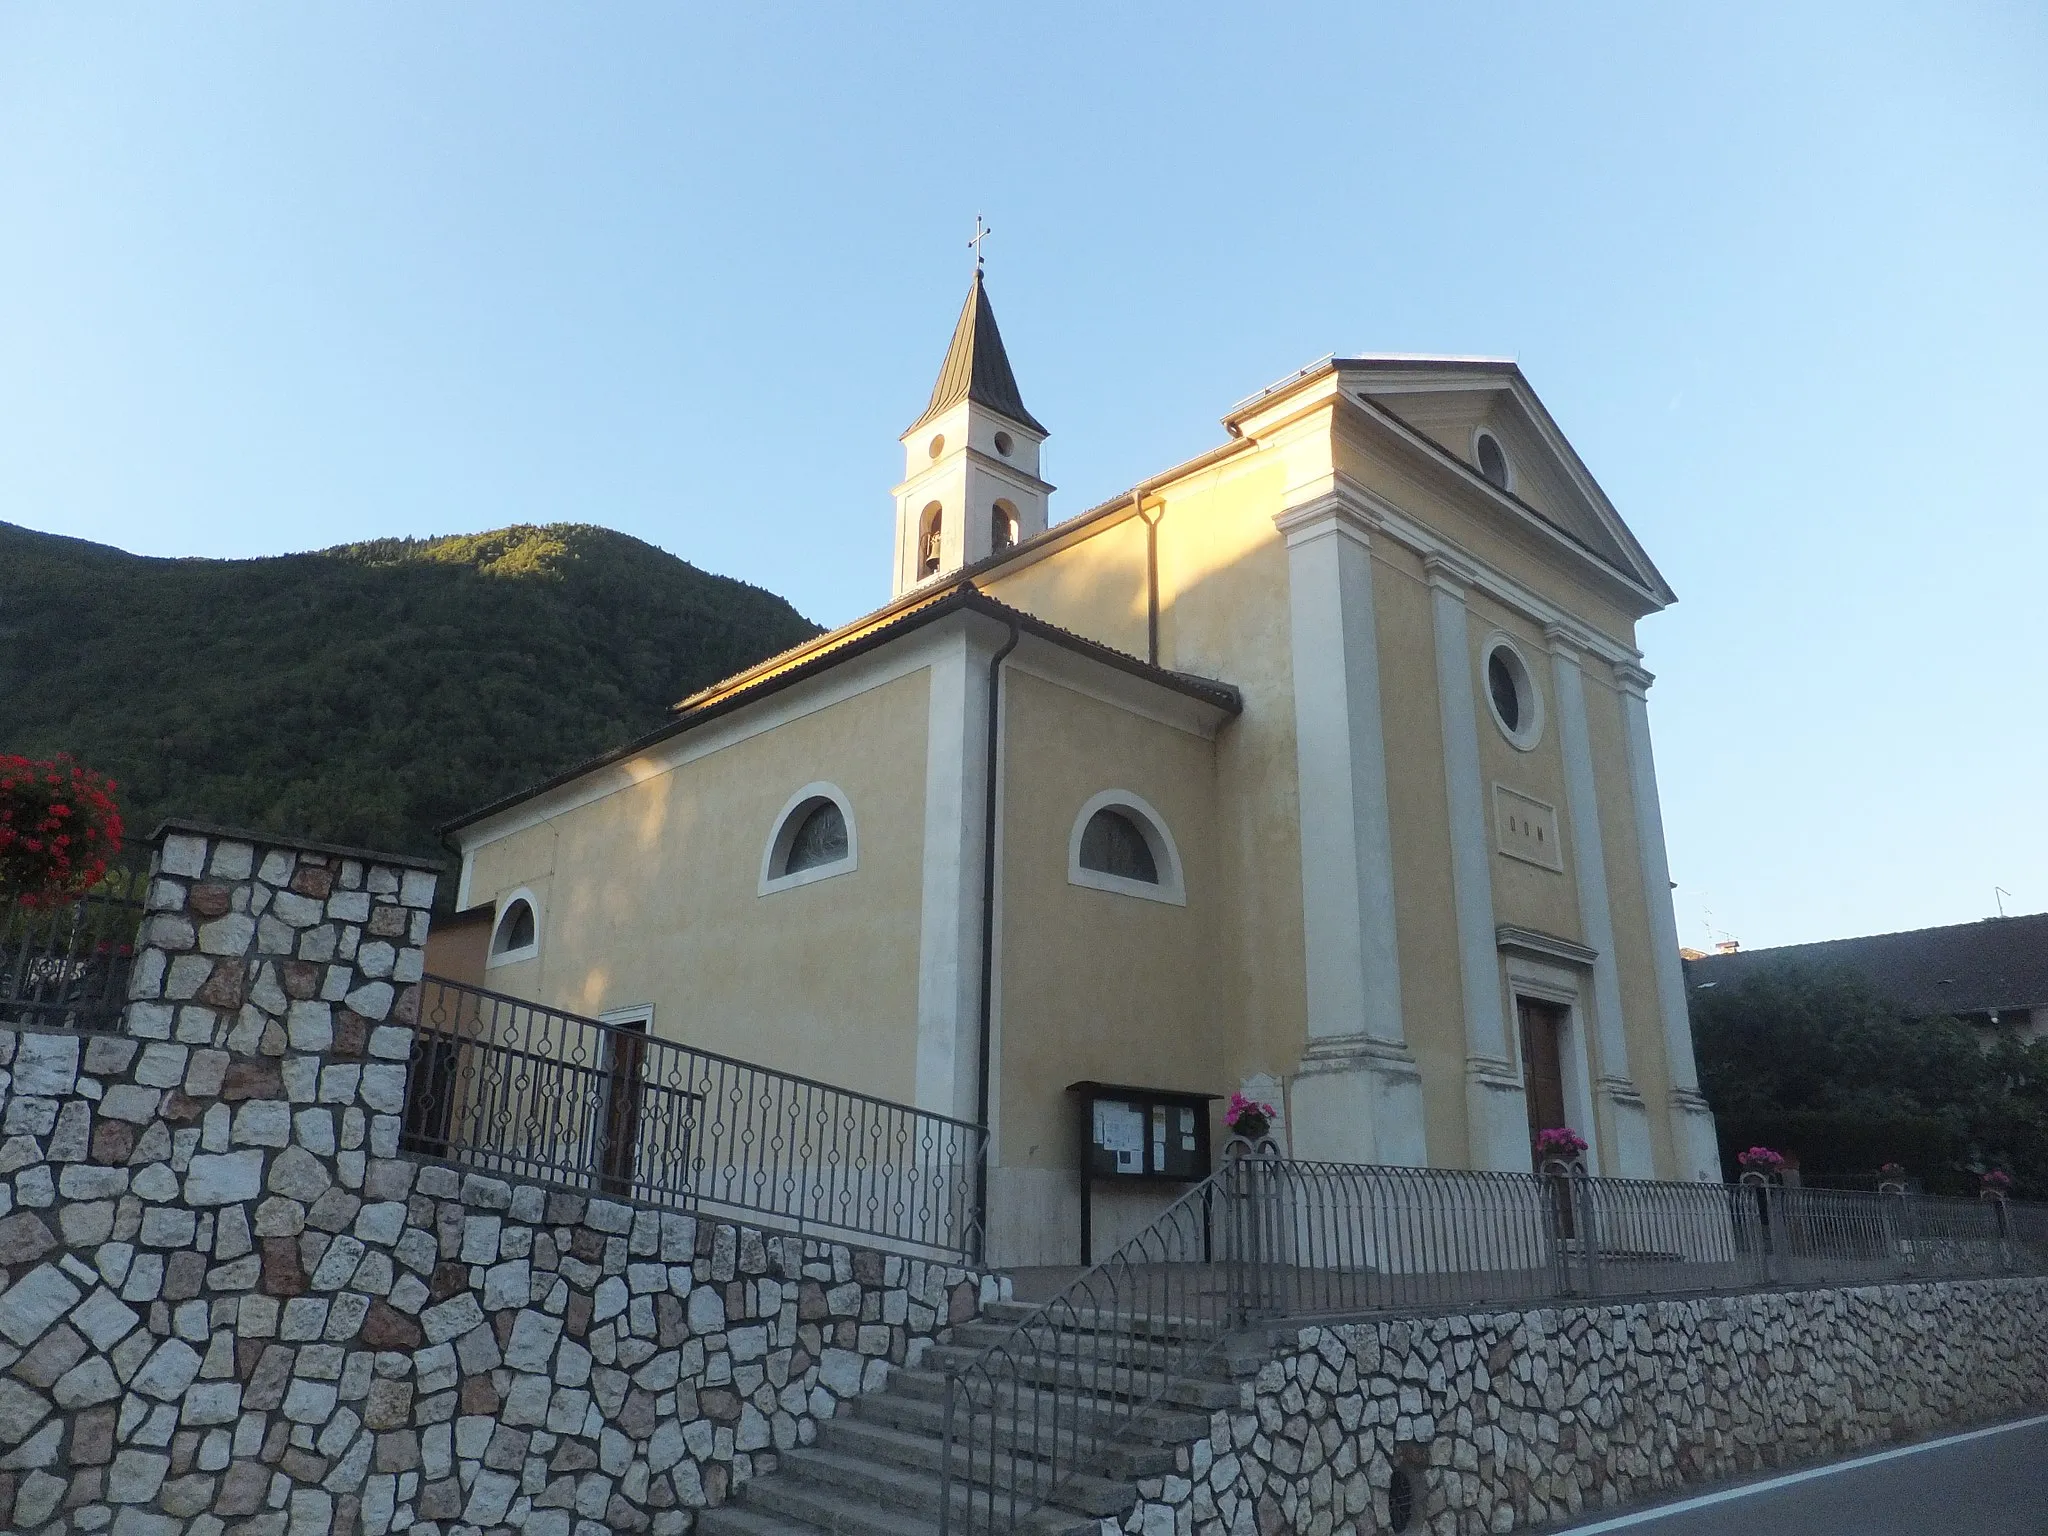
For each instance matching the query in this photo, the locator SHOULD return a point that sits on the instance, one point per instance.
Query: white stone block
(163, 1064)
(534, 1335)
(452, 1318)
(45, 1065)
(183, 854)
(383, 1088)
(263, 1123)
(310, 1026)
(480, 1239)
(309, 1402)
(212, 1402)
(372, 1000)
(168, 1372)
(231, 935)
(34, 1302)
(294, 910)
(383, 1222)
(391, 1042)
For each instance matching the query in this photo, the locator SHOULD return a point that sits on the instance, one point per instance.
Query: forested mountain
(362, 694)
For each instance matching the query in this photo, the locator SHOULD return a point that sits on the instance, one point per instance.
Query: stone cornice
(1369, 512)
(1545, 946)
(1632, 679)
(1337, 508)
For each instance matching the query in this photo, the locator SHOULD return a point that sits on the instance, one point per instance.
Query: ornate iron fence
(506, 1086)
(65, 965)
(1267, 1240)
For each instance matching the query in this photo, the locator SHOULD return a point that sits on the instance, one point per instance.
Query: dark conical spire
(977, 368)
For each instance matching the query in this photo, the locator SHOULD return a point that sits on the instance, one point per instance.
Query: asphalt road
(1984, 1482)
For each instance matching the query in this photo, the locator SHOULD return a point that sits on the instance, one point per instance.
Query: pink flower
(1763, 1159)
(1560, 1141)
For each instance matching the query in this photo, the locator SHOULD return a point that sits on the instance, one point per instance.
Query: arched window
(1002, 527)
(1111, 844)
(930, 528)
(820, 839)
(813, 839)
(1119, 843)
(517, 934)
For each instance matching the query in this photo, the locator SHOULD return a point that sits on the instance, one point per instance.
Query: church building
(1317, 767)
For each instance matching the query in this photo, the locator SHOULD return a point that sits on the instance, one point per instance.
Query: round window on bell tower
(938, 445)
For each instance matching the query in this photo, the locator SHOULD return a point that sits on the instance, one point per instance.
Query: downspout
(988, 933)
(1151, 572)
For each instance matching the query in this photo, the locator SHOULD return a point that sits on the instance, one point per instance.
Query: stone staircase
(875, 1470)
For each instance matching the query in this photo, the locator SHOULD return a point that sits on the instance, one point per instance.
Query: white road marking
(1785, 1480)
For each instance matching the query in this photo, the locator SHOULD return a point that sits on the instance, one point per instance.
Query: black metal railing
(509, 1087)
(1037, 1414)
(65, 964)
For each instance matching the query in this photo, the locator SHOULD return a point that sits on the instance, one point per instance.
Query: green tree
(1821, 1054)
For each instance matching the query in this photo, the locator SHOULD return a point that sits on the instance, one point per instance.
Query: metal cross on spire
(981, 233)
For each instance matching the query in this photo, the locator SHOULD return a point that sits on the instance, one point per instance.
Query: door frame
(603, 1177)
(1541, 982)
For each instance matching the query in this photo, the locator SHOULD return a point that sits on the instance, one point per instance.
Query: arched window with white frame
(1120, 843)
(515, 936)
(812, 838)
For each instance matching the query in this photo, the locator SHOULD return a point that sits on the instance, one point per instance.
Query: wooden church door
(1542, 1026)
(626, 1047)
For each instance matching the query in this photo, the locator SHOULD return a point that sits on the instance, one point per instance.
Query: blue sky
(274, 278)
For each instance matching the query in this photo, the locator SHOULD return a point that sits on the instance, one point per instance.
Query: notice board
(1131, 1134)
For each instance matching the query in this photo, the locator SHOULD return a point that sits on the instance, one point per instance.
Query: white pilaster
(948, 974)
(1619, 1103)
(1694, 1146)
(1496, 1109)
(1358, 1095)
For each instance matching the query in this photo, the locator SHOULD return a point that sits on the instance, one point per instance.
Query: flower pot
(1250, 1127)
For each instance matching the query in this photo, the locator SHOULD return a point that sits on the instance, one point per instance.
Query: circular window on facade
(1003, 444)
(938, 445)
(1511, 694)
(1491, 458)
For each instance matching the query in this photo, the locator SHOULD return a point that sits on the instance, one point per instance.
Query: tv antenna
(1999, 894)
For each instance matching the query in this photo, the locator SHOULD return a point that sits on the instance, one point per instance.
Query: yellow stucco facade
(1378, 714)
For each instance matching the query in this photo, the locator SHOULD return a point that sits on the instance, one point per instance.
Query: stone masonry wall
(229, 1303)
(1510, 1420)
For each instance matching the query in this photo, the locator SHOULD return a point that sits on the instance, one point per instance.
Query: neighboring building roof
(855, 639)
(1997, 963)
(977, 368)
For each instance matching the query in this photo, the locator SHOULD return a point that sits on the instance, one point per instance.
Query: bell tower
(970, 462)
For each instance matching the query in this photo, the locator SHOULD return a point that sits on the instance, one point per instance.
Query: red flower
(58, 828)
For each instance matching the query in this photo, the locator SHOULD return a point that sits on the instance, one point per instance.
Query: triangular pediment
(1448, 403)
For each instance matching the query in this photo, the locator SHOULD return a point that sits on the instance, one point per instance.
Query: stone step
(854, 1485)
(744, 1519)
(1213, 1358)
(789, 1504)
(923, 1448)
(1107, 1380)
(1155, 1425)
(1129, 1323)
